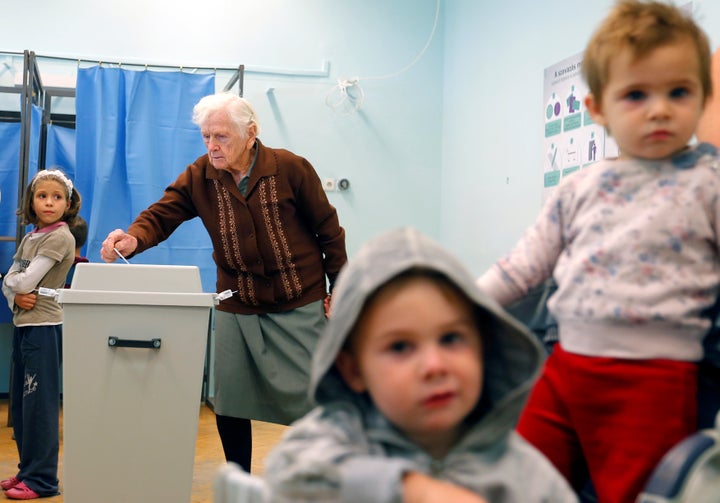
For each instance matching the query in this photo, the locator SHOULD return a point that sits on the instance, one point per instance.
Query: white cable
(347, 97)
(420, 55)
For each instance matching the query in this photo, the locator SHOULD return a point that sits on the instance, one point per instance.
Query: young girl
(41, 261)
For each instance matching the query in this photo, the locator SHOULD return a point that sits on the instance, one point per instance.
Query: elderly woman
(276, 239)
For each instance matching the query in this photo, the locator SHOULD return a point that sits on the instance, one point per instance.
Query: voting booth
(134, 339)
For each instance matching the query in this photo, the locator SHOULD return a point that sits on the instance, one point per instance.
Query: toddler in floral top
(633, 245)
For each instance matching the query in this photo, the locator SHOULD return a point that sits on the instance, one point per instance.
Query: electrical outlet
(329, 184)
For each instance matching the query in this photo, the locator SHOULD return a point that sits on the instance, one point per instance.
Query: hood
(513, 357)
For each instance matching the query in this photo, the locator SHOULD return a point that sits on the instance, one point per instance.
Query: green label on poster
(572, 122)
(552, 178)
(552, 128)
(569, 170)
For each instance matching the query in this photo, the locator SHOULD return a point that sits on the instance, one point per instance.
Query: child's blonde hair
(641, 26)
(28, 212)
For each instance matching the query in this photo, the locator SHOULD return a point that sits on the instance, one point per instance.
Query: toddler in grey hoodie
(419, 380)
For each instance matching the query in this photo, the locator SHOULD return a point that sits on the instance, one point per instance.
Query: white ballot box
(134, 339)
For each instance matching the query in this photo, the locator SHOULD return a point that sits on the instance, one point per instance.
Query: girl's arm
(7, 292)
(18, 281)
(532, 260)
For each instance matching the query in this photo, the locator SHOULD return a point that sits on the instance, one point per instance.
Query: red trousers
(612, 417)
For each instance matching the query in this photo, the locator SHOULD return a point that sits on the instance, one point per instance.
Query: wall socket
(329, 184)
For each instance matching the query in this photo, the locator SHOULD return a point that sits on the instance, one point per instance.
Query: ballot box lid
(136, 278)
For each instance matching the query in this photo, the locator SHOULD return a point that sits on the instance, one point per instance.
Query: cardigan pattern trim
(278, 238)
(245, 287)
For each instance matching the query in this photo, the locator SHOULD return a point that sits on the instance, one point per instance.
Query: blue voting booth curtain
(9, 169)
(134, 137)
(60, 151)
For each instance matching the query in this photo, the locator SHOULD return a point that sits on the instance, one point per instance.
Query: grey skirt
(262, 363)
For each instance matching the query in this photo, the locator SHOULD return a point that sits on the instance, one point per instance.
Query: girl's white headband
(54, 173)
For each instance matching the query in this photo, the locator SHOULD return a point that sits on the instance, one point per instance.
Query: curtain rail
(323, 71)
(120, 63)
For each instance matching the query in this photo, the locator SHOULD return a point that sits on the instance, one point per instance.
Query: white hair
(240, 111)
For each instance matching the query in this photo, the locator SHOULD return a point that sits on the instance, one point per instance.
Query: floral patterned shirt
(633, 247)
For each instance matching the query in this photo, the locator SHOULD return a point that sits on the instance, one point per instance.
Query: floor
(208, 452)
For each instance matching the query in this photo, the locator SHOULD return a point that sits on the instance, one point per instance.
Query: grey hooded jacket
(345, 450)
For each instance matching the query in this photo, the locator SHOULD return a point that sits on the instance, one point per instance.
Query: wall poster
(572, 140)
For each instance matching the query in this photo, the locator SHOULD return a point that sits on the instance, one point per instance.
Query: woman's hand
(25, 300)
(117, 240)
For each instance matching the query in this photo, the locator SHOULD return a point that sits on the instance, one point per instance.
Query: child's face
(418, 354)
(652, 106)
(49, 201)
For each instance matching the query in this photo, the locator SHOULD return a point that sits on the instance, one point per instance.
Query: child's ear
(594, 109)
(349, 369)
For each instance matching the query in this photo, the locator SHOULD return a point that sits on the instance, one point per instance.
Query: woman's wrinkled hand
(117, 240)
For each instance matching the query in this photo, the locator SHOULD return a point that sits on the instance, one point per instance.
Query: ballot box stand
(134, 340)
